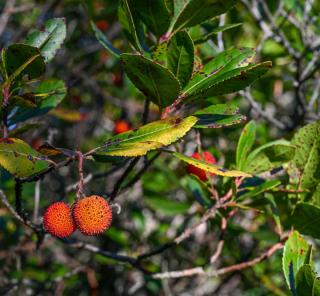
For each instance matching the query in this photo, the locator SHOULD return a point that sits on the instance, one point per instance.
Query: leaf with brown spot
(148, 137)
(210, 168)
(19, 159)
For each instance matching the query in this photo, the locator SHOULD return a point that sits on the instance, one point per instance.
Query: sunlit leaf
(245, 143)
(210, 168)
(306, 219)
(148, 137)
(294, 254)
(307, 156)
(50, 38)
(269, 156)
(18, 158)
(217, 116)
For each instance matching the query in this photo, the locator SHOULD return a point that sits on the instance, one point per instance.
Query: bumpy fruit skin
(57, 220)
(92, 215)
(121, 126)
(205, 156)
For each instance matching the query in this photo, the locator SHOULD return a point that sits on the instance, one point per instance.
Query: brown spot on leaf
(6, 140)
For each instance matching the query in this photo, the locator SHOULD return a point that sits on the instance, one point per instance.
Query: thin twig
(6, 13)
(211, 213)
(142, 171)
(215, 273)
(128, 170)
(80, 193)
(36, 201)
(146, 111)
(261, 112)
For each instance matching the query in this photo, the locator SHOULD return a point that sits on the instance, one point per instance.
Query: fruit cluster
(91, 215)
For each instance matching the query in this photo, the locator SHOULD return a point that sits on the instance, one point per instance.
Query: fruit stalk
(81, 178)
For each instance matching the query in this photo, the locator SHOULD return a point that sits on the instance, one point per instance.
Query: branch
(142, 170)
(133, 261)
(48, 170)
(6, 13)
(211, 213)
(36, 228)
(215, 273)
(128, 170)
(256, 106)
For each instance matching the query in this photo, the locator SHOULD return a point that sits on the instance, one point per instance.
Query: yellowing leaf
(148, 137)
(68, 115)
(18, 158)
(211, 168)
(133, 149)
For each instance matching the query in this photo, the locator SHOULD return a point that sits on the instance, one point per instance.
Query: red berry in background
(37, 143)
(206, 157)
(117, 79)
(102, 25)
(58, 221)
(104, 56)
(121, 126)
(92, 215)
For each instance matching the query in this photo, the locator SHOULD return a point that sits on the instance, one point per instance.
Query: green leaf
(308, 259)
(294, 254)
(104, 41)
(2, 64)
(155, 81)
(228, 82)
(307, 157)
(25, 100)
(166, 206)
(129, 24)
(170, 5)
(199, 190)
(49, 93)
(223, 63)
(269, 156)
(215, 31)
(274, 211)
(159, 53)
(154, 14)
(50, 38)
(178, 6)
(307, 282)
(217, 116)
(22, 59)
(245, 143)
(19, 159)
(316, 196)
(198, 11)
(180, 56)
(21, 130)
(306, 219)
(148, 137)
(210, 168)
(256, 190)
